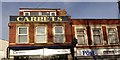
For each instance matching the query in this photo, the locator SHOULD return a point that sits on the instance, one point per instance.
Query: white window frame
(45, 15)
(116, 31)
(40, 13)
(101, 34)
(85, 34)
(34, 15)
(22, 34)
(52, 12)
(41, 34)
(26, 12)
(63, 28)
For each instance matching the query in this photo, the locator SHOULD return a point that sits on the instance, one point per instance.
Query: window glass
(22, 30)
(52, 13)
(41, 36)
(58, 34)
(81, 36)
(45, 14)
(22, 34)
(26, 13)
(22, 38)
(97, 36)
(58, 29)
(112, 36)
(34, 13)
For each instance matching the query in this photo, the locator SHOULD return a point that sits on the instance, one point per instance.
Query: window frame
(101, 34)
(34, 15)
(52, 12)
(85, 34)
(25, 13)
(116, 32)
(41, 34)
(17, 35)
(63, 29)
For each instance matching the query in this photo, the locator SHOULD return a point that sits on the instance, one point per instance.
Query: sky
(0, 20)
(60, 0)
(77, 10)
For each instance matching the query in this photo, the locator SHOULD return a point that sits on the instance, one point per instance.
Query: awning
(43, 52)
(37, 47)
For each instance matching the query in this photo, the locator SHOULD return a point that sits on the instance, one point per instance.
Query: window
(45, 14)
(41, 36)
(34, 13)
(58, 34)
(52, 13)
(81, 36)
(22, 34)
(97, 36)
(26, 13)
(112, 36)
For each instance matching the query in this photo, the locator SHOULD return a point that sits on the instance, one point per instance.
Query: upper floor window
(26, 13)
(97, 36)
(22, 35)
(81, 36)
(112, 36)
(52, 13)
(58, 34)
(41, 34)
(45, 14)
(39, 13)
(34, 13)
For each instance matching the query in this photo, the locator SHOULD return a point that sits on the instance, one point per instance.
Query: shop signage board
(43, 52)
(92, 52)
(39, 18)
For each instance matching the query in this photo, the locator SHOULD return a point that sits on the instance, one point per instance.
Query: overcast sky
(60, 0)
(0, 20)
(80, 10)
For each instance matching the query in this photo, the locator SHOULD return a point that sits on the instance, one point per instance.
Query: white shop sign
(91, 52)
(40, 52)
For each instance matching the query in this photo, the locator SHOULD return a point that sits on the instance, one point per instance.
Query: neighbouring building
(47, 33)
(3, 49)
(97, 38)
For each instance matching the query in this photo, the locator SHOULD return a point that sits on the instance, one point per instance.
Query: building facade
(40, 33)
(97, 38)
(47, 33)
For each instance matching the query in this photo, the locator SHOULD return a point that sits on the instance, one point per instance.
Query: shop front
(98, 53)
(39, 54)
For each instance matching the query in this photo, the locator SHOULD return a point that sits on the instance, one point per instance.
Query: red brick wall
(68, 32)
(118, 27)
(50, 32)
(104, 33)
(20, 13)
(12, 33)
(31, 33)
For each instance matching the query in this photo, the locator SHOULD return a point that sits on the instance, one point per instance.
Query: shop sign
(39, 18)
(92, 52)
(44, 52)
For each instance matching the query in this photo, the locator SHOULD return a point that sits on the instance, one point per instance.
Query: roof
(39, 8)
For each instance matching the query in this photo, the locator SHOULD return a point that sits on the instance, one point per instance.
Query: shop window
(59, 34)
(97, 36)
(112, 36)
(34, 13)
(26, 13)
(81, 36)
(22, 34)
(41, 35)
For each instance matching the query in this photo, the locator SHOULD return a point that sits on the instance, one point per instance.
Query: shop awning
(38, 47)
